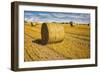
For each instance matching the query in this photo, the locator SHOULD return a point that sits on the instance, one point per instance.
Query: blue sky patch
(38, 16)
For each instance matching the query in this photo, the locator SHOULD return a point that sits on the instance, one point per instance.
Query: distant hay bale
(71, 24)
(88, 24)
(34, 23)
(51, 33)
(31, 24)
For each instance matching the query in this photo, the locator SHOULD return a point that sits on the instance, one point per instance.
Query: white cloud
(46, 17)
(59, 15)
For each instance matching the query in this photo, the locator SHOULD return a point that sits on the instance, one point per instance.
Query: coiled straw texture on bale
(51, 33)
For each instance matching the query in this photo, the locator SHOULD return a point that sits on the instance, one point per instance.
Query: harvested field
(76, 44)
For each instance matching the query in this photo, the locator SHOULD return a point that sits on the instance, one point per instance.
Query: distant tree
(53, 22)
(66, 22)
(71, 23)
(62, 22)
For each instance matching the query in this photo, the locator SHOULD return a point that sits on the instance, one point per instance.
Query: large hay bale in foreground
(51, 33)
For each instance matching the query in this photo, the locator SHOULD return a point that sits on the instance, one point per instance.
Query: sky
(38, 16)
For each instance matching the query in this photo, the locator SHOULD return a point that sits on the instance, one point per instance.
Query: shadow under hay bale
(41, 42)
(52, 33)
(38, 41)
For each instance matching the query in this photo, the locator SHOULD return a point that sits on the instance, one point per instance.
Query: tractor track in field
(42, 52)
(85, 38)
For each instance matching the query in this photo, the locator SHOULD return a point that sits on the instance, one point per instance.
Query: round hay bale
(51, 33)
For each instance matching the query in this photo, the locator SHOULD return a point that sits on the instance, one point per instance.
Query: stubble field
(76, 44)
